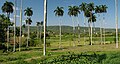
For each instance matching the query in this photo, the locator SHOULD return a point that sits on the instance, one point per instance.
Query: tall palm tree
(83, 8)
(23, 26)
(116, 14)
(93, 21)
(20, 25)
(28, 22)
(41, 24)
(98, 10)
(45, 20)
(93, 18)
(28, 12)
(103, 10)
(37, 24)
(90, 7)
(7, 8)
(59, 12)
(73, 11)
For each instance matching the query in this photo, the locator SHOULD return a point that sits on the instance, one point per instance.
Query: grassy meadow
(70, 52)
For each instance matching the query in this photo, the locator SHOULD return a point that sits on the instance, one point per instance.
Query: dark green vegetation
(96, 54)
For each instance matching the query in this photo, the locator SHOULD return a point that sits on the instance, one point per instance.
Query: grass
(34, 55)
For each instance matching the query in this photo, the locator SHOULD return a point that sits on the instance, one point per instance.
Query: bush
(82, 58)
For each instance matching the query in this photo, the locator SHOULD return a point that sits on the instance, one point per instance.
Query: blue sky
(37, 6)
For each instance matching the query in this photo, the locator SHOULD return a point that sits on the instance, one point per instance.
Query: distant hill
(67, 29)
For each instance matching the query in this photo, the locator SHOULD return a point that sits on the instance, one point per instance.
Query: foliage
(4, 23)
(82, 58)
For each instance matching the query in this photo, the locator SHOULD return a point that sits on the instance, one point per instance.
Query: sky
(37, 7)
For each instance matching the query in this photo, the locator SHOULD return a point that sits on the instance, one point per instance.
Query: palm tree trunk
(7, 37)
(37, 32)
(103, 28)
(40, 31)
(101, 23)
(20, 26)
(78, 31)
(14, 26)
(45, 20)
(89, 32)
(94, 32)
(28, 36)
(60, 34)
(91, 27)
(73, 32)
(84, 29)
(116, 14)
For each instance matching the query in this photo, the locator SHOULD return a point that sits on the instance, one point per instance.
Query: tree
(20, 25)
(4, 23)
(41, 24)
(24, 28)
(45, 20)
(98, 10)
(116, 14)
(90, 7)
(104, 10)
(8, 9)
(28, 22)
(59, 12)
(28, 12)
(37, 24)
(83, 7)
(73, 11)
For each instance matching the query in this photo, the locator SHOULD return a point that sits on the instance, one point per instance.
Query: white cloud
(11, 19)
(16, 8)
(17, 16)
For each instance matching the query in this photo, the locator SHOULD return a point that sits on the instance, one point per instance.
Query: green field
(80, 53)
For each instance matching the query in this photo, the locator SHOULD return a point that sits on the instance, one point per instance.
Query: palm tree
(73, 11)
(28, 22)
(104, 10)
(41, 24)
(93, 18)
(45, 20)
(116, 14)
(28, 12)
(83, 8)
(37, 24)
(59, 12)
(20, 25)
(98, 10)
(90, 7)
(7, 8)
(23, 26)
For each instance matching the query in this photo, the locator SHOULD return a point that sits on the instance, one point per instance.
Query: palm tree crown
(83, 7)
(98, 9)
(7, 8)
(90, 6)
(93, 18)
(41, 23)
(104, 8)
(28, 11)
(59, 11)
(37, 23)
(73, 11)
(28, 21)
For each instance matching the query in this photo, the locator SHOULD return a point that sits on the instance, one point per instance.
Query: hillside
(68, 29)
